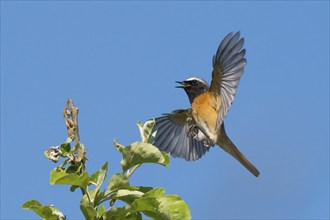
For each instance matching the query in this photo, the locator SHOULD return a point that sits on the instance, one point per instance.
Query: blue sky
(118, 61)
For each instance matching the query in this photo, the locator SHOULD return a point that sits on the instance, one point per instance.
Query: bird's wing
(228, 67)
(172, 136)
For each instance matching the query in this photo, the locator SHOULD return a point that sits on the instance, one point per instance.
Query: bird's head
(194, 87)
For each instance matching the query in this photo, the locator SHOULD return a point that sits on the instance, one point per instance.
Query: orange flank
(204, 112)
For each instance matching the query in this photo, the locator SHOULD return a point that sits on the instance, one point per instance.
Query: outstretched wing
(228, 67)
(171, 137)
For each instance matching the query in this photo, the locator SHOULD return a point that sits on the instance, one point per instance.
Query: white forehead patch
(197, 79)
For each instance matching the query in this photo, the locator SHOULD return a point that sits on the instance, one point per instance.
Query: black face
(197, 85)
(194, 87)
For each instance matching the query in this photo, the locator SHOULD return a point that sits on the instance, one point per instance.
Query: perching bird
(189, 133)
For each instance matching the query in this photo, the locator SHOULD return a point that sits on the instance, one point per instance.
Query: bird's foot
(193, 131)
(207, 142)
(199, 135)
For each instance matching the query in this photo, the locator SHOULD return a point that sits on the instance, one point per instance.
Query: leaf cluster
(98, 203)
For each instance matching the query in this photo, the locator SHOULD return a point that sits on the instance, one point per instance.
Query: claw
(194, 130)
(207, 143)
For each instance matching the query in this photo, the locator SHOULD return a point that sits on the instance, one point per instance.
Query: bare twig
(70, 114)
(71, 120)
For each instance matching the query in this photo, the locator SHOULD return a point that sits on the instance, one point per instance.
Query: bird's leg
(207, 142)
(194, 130)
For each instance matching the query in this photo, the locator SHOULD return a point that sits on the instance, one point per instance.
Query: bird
(190, 133)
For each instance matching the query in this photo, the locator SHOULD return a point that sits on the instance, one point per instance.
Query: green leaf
(73, 188)
(65, 149)
(102, 174)
(73, 168)
(146, 131)
(100, 211)
(92, 194)
(119, 213)
(46, 212)
(157, 205)
(80, 150)
(126, 195)
(98, 177)
(96, 196)
(31, 203)
(143, 189)
(129, 194)
(118, 146)
(57, 213)
(117, 181)
(99, 196)
(60, 176)
(139, 152)
(93, 178)
(87, 209)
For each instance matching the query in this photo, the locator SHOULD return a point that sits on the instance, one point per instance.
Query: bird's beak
(183, 83)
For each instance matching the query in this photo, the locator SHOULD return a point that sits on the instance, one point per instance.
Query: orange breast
(204, 110)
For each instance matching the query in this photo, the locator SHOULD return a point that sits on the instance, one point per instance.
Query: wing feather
(165, 129)
(181, 144)
(228, 67)
(172, 136)
(173, 139)
(176, 142)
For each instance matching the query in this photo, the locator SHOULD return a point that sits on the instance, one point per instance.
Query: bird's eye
(194, 81)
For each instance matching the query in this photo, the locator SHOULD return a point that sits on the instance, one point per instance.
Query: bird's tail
(225, 143)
